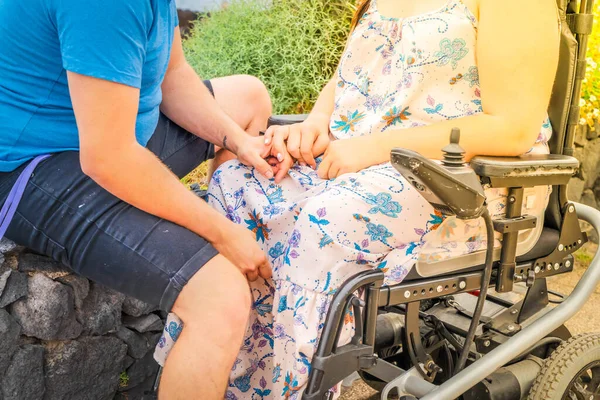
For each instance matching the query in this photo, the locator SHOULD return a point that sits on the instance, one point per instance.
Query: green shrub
(590, 91)
(293, 46)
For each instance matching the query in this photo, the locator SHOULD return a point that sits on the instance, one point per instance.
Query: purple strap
(16, 193)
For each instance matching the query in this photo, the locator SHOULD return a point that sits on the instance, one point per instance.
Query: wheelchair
(480, 326)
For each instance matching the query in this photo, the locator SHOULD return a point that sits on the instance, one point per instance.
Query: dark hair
(361, 8)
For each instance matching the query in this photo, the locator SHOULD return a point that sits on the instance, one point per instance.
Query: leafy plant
(293, 46)
(123, 379)
(590, 91)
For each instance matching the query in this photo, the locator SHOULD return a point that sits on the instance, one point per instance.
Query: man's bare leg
(246, 100)
(214, 307)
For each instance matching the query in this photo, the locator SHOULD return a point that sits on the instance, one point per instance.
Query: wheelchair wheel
(572, 372)
(374, 382)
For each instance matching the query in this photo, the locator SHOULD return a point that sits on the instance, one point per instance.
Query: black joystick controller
(452, 188)
(454, 155)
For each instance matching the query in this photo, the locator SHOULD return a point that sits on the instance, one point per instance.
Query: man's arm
(106, 114)
(188, 103)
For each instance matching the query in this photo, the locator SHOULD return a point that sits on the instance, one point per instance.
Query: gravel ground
(587, 320)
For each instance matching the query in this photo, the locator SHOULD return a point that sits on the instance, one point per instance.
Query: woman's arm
(304, 141)
(323, 107)
(517, 56)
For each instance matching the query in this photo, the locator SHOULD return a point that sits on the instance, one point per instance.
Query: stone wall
(585, 187)
(63, 337)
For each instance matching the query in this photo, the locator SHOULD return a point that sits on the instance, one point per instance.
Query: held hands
(260, 153)
(298, 142)
(253, 151)
(274, 154)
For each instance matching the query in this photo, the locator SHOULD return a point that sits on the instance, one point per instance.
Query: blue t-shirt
(124, 41)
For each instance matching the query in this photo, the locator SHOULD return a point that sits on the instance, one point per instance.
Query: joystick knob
(454, 155)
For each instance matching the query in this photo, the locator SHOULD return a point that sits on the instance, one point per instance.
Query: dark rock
(597, 191)
(590, 161)
(15, 288)
(101, 311)
(186, 19)
(7, 246)
(24, 378)
(580, 135)
(10, 261)
(592, 134)
(30, 262)
(25, 340)
(4, 274)
(575, 189)
(137, 345)
(140, 371)
(593, 236)
(48, 312)
(578, 154)
(127, 361)
(137, 308)
(146, 323)
(143, 391)
(84, 369)
(9, 337)
(589, 199)
(153, 338)
(80, 286)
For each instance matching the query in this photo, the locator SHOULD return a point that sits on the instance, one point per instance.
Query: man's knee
(217, 291)
(257, 95)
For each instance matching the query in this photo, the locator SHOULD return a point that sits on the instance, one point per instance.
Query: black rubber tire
(563, 365)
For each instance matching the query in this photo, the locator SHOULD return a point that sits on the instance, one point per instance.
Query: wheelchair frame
(522, 326)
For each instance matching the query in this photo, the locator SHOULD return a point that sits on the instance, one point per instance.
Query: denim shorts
(65, 215)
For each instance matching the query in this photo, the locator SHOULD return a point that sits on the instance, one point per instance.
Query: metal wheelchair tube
(520, 342)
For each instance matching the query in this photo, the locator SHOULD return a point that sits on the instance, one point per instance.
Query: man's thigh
(179, 149)
(66, 215)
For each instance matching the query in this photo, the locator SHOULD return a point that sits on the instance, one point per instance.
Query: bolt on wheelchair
(430, 337)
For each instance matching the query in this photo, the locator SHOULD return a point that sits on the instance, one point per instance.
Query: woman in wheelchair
(410, 72)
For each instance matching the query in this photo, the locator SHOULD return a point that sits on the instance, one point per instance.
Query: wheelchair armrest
(286, 119)
(525, 171)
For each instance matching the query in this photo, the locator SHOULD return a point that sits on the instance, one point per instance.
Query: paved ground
(587, 320)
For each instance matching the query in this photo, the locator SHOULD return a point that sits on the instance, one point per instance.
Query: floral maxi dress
(394, 74)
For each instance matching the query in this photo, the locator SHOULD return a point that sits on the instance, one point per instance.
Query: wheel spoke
(579, 391)
(585, 384)
(594, 384)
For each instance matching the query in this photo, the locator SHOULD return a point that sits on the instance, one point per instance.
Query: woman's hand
(298, 142)
(351, 155)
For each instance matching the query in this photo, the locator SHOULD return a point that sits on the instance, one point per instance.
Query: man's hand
(252, 151)
(239, 246)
